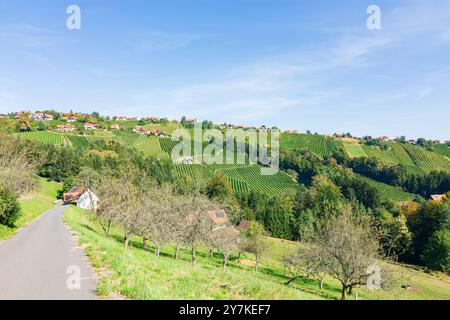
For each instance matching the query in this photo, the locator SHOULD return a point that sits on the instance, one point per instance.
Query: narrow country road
(43, 262)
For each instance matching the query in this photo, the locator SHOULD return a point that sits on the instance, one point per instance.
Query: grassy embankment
(137, 274)
(33, 206)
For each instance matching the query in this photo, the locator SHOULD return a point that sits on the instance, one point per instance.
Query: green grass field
(33, 206)
(138, 274)
(353, 148)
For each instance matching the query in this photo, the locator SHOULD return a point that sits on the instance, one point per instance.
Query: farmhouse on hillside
(81, 197)
(219, 217)
(89, 126)
(39, 116)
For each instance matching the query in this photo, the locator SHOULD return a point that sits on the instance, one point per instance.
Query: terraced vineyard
(194, 171)
(388, 192)
(426, 160)
(395, 154)
(149, 146)
(239, 186)
(78, 141)
(167, 145)
(242, 178)
(269, 184)
(442, 149)
(44, 137)
(316, 143)
(126, 138)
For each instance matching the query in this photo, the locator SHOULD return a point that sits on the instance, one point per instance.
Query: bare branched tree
(225, 240)
(157, 221)
(198, 224)
(344, 246)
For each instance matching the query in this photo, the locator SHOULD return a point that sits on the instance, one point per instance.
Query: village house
(115, 126)
(124, 118)
(218, 217)
(191, 120)
(154, 119)
(149, 132)
(3, 116)
(89, 126)
(65, 128)
(81, 197)
(39, 116)
(71, 119)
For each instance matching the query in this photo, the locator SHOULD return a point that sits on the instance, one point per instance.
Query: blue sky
(287, 63)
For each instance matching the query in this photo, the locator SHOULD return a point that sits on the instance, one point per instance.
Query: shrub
(9, 207)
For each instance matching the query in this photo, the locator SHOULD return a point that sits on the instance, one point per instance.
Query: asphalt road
(43, 262)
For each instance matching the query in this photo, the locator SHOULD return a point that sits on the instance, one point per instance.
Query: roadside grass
(137, 274)
(33, 206)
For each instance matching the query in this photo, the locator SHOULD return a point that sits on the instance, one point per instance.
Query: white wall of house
(88, 201)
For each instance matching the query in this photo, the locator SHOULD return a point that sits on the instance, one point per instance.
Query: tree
(255, 241)
(395, 237)
(344, 245)
(17, 165)
(304, 263)
(437, 251)
(157, 223)
(225, 240)
(198, 225)
(24, 123)
(112, 195)
(9, 207)
(218, 187)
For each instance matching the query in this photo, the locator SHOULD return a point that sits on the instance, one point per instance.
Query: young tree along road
(43, 262)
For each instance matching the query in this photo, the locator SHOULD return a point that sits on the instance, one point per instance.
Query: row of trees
(435, 182)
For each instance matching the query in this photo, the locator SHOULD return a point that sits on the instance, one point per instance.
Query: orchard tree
(255, 241)
(344, 245)
(225, 240)
(198, 223)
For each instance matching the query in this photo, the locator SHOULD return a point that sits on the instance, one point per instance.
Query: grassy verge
(137, 274)
(33, 206)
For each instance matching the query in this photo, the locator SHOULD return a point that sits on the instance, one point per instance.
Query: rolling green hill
(244, 178)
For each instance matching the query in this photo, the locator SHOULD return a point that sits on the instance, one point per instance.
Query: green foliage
(218, 187)
(436, 254)
(9, 207)
(423, 224)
